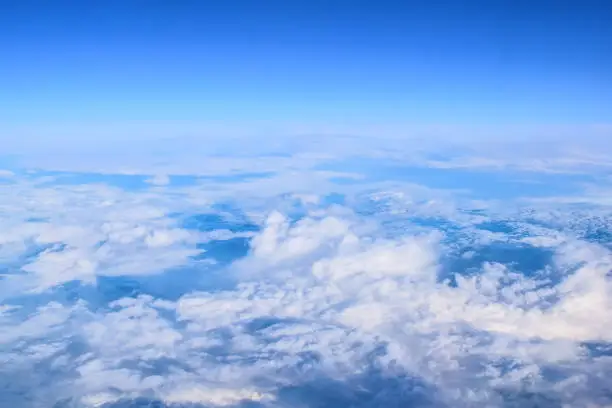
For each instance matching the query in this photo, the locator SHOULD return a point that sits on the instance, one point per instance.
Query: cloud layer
(303, 286)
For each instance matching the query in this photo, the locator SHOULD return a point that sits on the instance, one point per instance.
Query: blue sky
(163, 242)
(348, 62)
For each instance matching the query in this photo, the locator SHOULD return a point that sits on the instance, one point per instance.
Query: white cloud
(82, 232)
(6, 173)
(215, 396)
(346, 296)
(349, 295)
(40, 324)
(159, 180)
(154, 152)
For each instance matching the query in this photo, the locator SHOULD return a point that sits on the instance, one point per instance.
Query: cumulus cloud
(63, 234)
(354, 302)
(402, 295)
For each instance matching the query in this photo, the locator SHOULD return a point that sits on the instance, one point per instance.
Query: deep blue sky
(488, 61)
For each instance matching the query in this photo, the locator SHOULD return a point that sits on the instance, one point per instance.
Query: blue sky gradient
(305, 203)
(415, 62)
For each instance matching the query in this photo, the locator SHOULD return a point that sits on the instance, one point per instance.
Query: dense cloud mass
(314, 284)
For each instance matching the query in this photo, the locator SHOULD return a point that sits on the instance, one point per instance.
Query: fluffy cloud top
(273, 292)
